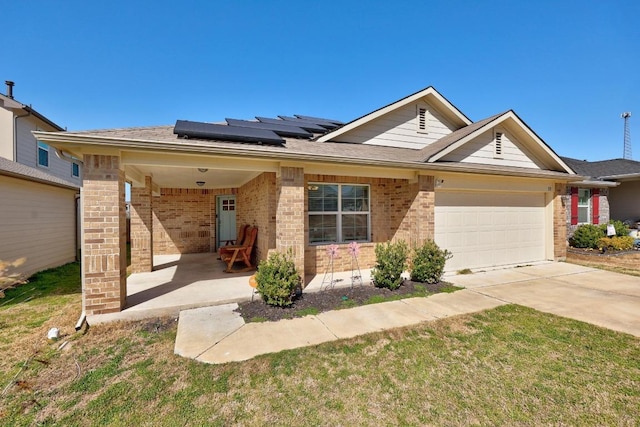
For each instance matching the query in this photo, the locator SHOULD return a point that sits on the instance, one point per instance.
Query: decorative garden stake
(332, 253)
(354, 250)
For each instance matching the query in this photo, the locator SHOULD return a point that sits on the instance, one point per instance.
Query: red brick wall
(257, 207)
(183, 221)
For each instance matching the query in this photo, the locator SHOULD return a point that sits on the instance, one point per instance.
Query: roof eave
(54, 138)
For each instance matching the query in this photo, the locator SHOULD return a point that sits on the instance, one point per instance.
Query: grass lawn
(507, 366)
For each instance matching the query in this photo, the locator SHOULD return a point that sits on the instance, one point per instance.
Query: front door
(226, 224)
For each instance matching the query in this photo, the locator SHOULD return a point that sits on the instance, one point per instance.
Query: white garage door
(490, 229)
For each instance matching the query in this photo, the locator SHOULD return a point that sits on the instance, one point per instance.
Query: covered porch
(184, 281)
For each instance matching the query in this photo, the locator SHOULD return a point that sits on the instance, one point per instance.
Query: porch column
(104, 261)
(421, 211)
(559, 223)
(141, 214)
(290, 214)
(425, 202)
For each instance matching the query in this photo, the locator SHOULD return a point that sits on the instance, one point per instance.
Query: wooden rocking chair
(240, 253)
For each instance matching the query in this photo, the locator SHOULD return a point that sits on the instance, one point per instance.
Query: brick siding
(104, 223)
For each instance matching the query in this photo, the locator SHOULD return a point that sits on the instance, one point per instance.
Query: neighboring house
(611, 191)
(38, 191)
(488, 191)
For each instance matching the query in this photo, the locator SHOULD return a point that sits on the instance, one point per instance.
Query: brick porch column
(559, 223)
(104, 261)
(141, 214)
(425, 204)
(290, 214)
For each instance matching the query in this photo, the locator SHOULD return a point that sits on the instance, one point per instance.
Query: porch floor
(180, 282)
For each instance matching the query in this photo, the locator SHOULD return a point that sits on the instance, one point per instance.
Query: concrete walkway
(219, 335)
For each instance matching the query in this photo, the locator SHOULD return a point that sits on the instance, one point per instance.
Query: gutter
(15, 132)
(146, 145)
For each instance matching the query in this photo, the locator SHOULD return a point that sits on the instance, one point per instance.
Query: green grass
(507, 366)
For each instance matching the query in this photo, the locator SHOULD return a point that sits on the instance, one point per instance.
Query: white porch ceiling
(186, 177)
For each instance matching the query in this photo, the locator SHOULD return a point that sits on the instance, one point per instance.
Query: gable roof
(18, 170)
(611, 169)
(12, 104)
(427, 92)
(457, 139)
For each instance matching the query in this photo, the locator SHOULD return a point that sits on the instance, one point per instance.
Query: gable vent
(498, 144)
(422, 119)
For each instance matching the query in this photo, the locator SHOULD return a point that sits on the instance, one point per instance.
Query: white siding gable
(482, 150)
(401, 128)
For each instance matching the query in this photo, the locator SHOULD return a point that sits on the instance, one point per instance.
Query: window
(43, 154)
(497, 144)
(338, 213)
(421, 112)
(75, 170)
(585, 206)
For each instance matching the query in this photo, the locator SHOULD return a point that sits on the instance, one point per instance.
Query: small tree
(278, 279)
(391, 261)
(428, 262)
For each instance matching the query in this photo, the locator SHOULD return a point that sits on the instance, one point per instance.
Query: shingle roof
(604, 168)
(9, 168)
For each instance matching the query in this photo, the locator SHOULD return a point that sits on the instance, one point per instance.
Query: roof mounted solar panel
(279, 129)
(185, 128)
(319, 120)
(298, 122)
(308, 126)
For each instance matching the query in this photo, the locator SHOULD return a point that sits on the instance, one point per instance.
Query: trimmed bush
(616, 243)
(586, 236)
(391, 261)
(621, 228)
(278, 279)
(428, 262)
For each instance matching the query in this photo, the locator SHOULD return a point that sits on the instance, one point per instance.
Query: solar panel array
(263, 131)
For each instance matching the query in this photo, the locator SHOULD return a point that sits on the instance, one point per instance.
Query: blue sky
(568, 68)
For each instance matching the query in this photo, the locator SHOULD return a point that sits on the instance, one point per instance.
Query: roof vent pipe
(10, 85)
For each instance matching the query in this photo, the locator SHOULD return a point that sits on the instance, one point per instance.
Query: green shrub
(616, 243)
(428, 262)
(586, 236)
(391, 261)
(621, 228)
(278, 279)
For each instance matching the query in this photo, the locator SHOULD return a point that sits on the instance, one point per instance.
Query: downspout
(64, 156)
(15, 134)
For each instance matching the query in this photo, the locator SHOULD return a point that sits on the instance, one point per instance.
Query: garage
(486, 229)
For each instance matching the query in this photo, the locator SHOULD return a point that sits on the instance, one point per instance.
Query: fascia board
(430, 91)
(508, 115)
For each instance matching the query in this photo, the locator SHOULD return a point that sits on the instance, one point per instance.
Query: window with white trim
(75, 170)
(338, 213)
(43, 154)
(584, 206)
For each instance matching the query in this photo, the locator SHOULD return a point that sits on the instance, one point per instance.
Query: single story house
(488, 191)
(610, 191)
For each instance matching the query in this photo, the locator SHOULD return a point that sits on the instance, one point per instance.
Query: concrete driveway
(599, 297)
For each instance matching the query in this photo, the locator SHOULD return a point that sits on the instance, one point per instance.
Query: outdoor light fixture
(200, 183)
(203, 170)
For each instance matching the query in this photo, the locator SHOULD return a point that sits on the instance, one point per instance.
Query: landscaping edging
(626, 259)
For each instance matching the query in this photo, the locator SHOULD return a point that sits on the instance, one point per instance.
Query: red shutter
(574, 205)
(595, 205)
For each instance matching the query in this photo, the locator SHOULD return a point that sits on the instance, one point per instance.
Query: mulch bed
(330, 299)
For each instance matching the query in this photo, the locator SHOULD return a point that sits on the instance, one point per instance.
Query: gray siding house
(38, 189)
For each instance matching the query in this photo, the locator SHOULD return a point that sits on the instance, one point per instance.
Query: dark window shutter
(595, 205)
(574, 205)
